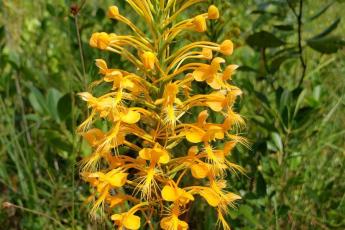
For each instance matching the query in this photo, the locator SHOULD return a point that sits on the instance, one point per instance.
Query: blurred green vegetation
(292, 72)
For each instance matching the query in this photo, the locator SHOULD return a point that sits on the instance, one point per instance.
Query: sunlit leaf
(277, 140)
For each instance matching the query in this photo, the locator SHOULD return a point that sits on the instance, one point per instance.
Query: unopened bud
(207, 53)
(113, 12)
(213, 12)
(148, 59)
(100, 40)
(200, 23)
(227, 47)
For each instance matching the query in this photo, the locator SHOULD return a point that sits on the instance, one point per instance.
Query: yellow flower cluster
(137, 169)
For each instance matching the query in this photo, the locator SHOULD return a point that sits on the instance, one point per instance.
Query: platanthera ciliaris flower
(157, 148)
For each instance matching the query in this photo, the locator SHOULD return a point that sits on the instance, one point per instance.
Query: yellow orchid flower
(175, 194)
(170, 101)
(94, 136)
(156, 154)
(209, 73)
(202, 131)
(172, 222)
(200, 170)
(128, 219)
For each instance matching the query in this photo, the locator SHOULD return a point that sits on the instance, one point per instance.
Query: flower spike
(139, 128)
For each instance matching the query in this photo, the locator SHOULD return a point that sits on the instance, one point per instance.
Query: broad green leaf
(326, 45)
(264, 39)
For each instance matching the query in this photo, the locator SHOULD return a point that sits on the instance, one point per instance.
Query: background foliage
(292, 74)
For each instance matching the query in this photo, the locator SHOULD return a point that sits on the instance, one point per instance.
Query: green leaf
(2, 32)
(317, 93)
(263, 123)
(326, 45)
(37, 101)
(245, 68)
(326, 119)
(264, 39)
(277, 141)
(100, 14)
(278, 61)
(304, 116)
(299, 102)
(284, 99)
(294, 181)
(261, 188)
(283, 210)
(327, 31)
(287, 27)
(323, 10)
(50, 9)
(263, 98)
(53, 97)
(64, 106)
(247, 212)
(58, 141)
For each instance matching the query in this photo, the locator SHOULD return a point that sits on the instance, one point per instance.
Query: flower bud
(93, 40)
(213, 12)
(113, 12)
(200, 23)
(100, 40)
(207, 53)
(227, 47)
(148, 59)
